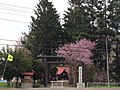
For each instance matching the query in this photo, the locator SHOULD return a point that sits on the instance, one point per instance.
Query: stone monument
(80, 84)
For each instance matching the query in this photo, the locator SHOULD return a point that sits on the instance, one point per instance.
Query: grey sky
(15, 19)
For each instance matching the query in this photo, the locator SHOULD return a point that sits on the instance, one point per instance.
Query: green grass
(3, 84)
(6, 85)
(104, 87)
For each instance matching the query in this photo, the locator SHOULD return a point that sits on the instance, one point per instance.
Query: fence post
(87, 84)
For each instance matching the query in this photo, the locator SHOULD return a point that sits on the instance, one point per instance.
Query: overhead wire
(14, 14)
(13, 20)
(10, 45)
(15, 6)
(15, 10)
(9, 40)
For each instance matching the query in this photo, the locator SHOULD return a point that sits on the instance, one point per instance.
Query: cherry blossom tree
(77, 52)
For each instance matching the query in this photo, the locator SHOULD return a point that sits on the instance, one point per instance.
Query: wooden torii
(49, 59)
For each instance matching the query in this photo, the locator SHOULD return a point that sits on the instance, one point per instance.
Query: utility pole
(107, 60)
(107, 56)
(4, 69)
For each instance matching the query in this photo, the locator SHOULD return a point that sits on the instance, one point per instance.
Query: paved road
(61, 89)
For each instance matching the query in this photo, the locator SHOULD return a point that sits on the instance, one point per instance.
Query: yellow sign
(10, 57)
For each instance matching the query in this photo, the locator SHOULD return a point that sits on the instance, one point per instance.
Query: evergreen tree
(97, 20)
(46, 33)
(107, 23)
(80, 20)
(113, 21)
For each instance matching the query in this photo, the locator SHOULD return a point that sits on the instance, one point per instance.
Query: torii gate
(48, 60)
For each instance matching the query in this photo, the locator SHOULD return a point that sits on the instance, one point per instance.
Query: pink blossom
(80, 51)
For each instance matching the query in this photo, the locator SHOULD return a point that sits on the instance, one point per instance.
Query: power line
(15, 10)
(10, 45)
(13, 20)
(15, 6)
(10, 40)
(13, 14)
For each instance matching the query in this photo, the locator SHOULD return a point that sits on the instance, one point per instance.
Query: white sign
(80, 74)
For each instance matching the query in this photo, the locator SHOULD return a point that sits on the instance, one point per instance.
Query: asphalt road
(60, 88)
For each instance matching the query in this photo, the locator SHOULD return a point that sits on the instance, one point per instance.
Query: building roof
(28, 73)
(61, 69)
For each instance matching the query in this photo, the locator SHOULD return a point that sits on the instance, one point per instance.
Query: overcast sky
(15, 17)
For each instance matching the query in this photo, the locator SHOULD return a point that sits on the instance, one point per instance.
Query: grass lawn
(103, 87)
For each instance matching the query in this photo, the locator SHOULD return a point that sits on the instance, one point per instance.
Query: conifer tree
(45, 30)
(96, 20)
(77, 20)
(114, 23)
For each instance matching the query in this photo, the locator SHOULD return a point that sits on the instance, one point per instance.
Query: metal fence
(102, 84)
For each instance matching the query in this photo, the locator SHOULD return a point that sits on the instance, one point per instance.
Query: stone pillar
(80, 84)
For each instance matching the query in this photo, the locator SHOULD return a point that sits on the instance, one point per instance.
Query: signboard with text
(80, 74)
